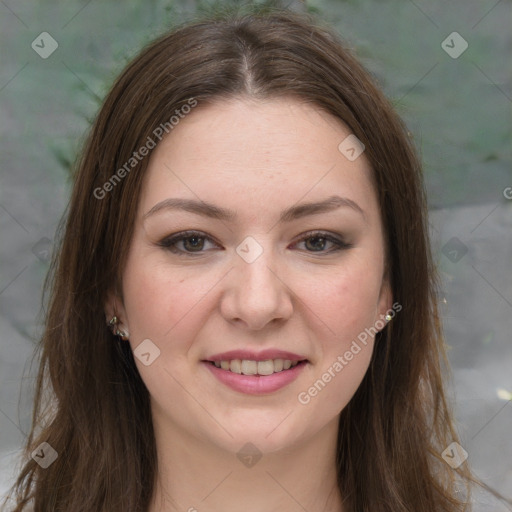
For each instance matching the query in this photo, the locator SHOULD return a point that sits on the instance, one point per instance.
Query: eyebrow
(206, 209)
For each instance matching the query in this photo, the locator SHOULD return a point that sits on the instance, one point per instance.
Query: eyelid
(167, 242)
(337, 240)
(318, 233)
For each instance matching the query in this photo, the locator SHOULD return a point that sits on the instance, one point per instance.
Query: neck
(196, 476)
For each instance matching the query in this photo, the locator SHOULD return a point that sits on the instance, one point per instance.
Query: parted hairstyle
(91, 405)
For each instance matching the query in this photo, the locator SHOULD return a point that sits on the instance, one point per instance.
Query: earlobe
(116, 328)
(386, 306)
(114, 318)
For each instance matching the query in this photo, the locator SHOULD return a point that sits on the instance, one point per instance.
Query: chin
(265, 435)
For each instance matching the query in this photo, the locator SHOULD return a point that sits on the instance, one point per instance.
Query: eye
(317, 241)
(193, 242)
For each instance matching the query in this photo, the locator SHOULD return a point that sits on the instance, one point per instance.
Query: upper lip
(250, 355)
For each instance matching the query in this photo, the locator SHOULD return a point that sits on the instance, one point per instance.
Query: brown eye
(192, 242)
(317, 242)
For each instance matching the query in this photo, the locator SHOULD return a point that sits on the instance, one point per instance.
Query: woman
(243, 311)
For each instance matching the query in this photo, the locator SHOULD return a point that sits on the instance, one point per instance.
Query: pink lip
(256, 356)
(256, 384)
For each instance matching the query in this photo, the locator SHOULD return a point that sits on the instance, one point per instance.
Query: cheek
(345, 300)
(159, 299)
(164, 306)
(344, 307)
(344, 311)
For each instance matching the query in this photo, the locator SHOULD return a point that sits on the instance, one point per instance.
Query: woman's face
(292, 273)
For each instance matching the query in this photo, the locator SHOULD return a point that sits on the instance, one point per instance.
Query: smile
(249, 367)
(256, 377)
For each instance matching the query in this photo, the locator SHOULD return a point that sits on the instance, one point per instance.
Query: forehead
(257, 154)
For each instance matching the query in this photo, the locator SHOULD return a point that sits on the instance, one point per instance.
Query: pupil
(315, 245)
(195, 244)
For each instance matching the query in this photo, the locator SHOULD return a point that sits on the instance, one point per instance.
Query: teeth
(248, 367)
(235, 366)
(266, 367)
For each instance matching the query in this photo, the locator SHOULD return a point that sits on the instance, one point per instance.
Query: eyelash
(170, 242)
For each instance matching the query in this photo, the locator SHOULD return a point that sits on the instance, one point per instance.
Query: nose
(257, 293)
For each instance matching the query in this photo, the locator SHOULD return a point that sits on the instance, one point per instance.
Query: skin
(256, 158)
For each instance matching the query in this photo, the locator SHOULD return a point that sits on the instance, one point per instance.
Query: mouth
(260, 368)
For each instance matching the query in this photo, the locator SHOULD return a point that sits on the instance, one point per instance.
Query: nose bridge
(260, 275)
(257, 270)
(257, 293)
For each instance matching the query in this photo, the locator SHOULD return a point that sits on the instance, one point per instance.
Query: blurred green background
(458, 109)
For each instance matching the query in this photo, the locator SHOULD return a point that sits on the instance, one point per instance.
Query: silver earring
(113, 324)
(388, 317)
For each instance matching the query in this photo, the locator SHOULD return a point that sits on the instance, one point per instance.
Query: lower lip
(256, 384)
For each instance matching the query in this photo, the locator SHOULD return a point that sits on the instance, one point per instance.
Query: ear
(385, 303)
(114, 307)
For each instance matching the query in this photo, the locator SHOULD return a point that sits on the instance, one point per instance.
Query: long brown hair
(393, 431)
